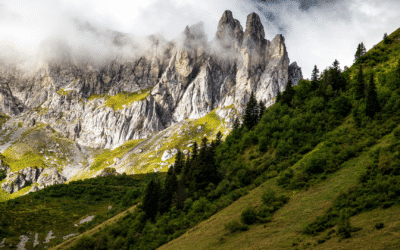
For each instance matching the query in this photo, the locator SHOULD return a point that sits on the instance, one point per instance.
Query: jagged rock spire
(229, 31)
(254, 34)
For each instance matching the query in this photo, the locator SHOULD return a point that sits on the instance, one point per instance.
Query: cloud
(329, 30)
(316, 31)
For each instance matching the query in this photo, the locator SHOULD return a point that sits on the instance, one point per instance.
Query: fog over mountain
(316, 32)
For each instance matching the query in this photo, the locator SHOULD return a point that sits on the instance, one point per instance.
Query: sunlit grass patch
(107, 156)
(18, 161)
(64, 92)
(123, 98)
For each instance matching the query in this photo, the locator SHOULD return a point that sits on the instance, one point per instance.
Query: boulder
(14, 182)
(49, 177)
(168, 154)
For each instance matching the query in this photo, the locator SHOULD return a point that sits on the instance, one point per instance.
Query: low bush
(235, 226)
(249, 216)
(379, 225)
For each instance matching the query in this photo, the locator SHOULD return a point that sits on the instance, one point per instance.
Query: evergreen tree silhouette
(179, 162)
(372, 104)
(288, 95)
(170, 187)
(151, 199)
(262, 108)
(360, 52)
(314, 78)
(251, 113)
(360, 85)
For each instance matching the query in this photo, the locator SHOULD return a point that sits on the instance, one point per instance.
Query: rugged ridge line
(183, 79)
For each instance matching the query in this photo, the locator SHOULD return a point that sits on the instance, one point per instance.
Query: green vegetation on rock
(123, 98)
(106, 157)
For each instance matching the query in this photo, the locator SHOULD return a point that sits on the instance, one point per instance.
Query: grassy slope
(285, 231)
(288, 222)
(70, 242)
(46, 210)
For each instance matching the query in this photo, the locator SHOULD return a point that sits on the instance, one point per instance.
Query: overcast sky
(316, 31)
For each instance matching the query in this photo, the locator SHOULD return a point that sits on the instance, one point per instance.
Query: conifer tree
(204, 170)
(236, 124)
(151, 199)
(397, 74)
(194, 150)
(218, 139)
(262, 108)
(372, 104)
(288, 95)
(360, 85)
(278, 96)
(386, 39)
(170, 187)
(251, 114)
(314, 78)
(360, 51)
(179, 162)
(181, 195)
(334, 77)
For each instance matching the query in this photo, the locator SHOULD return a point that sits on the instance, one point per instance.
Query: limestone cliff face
(184, 79)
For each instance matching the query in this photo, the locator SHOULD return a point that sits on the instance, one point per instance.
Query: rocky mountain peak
(229, 31)
(254, 30)
(137, 96)
(278, 47)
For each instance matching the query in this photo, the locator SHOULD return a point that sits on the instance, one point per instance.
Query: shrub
(344, 228)
(235, 226)
(85, 243)
(379, 225)
(263, 146)
(258, 181)
(249, 216)
(199, 205)
(244, 177)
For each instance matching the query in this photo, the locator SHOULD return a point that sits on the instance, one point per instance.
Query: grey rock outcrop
(295, 74)
(23, 240)
(49, 177)
(16, 181)
(168, 154)
(183, 79)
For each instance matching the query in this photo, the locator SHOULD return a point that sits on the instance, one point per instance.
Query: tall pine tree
(204, 170)
(314, 78)
(397, 74)
(372, 104)
(288, 95)
(360, 84)
(170, 187)
(179, 162)
(262, 108)
(181, 195)
(151, 199)
(251, 113)
(236, 124)
(386, 39)
(278, 96)
(360, 51)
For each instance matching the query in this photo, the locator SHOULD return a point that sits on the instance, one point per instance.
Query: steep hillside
(311, 173)
(352, 206)
(47, 217)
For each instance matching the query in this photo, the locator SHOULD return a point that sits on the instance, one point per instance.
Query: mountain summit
(108, 104)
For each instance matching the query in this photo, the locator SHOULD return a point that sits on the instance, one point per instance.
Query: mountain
(318, 170)
(79, 115)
